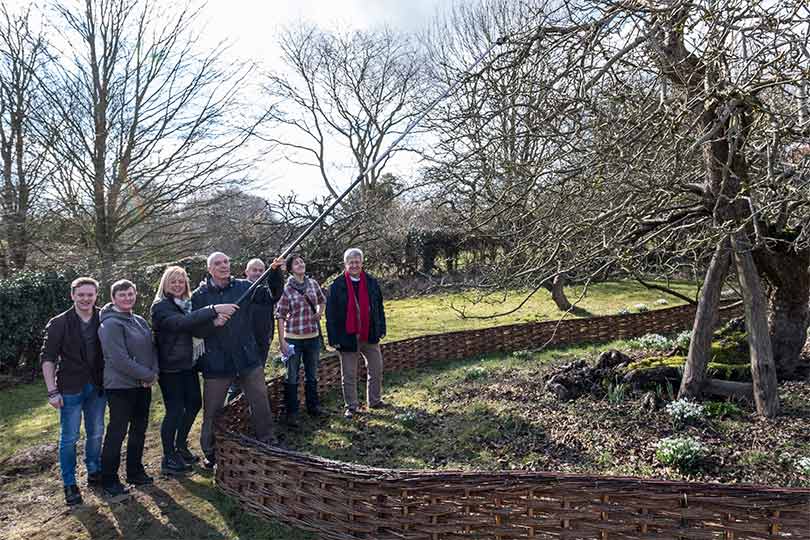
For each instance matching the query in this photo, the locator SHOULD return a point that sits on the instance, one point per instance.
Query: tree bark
(729, 389)
(763, 370)
(558, 293)
(787, 271)
(700, 346)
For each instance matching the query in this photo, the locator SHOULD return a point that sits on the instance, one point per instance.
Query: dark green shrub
(29, 300)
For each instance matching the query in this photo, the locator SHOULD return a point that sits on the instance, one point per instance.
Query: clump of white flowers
(408, 418)
(662, 302)
(683, 411)
(641, 308)
(803, 466)
(683, 339)
(651, 341)
(680, 452)
(623, 311)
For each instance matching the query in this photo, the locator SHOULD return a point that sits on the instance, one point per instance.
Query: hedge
(29, 300)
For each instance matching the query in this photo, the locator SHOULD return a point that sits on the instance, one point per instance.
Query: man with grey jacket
(130, 369)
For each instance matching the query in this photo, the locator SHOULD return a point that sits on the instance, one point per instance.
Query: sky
(252, 26)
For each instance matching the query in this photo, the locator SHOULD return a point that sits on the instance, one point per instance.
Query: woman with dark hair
(299, 312)
(173, 321)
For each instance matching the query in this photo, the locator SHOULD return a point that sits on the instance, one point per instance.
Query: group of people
(110, 357)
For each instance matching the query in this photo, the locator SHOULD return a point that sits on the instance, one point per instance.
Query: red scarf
(358, 321)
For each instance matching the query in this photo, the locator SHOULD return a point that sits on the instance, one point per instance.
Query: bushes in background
(29, 300)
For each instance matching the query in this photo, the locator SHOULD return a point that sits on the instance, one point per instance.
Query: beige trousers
(255, 389)
(348, 374)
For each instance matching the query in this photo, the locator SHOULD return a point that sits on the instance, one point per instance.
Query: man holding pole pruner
(230, 348)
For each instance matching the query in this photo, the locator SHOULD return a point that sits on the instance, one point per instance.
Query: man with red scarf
(355, 323)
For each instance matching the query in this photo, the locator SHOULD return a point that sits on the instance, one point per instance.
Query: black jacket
(172, 327)
(230, 349)
(263, 314)
(64, 346)
(336, 314)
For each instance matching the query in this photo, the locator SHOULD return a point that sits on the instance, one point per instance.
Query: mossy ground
(492, 413)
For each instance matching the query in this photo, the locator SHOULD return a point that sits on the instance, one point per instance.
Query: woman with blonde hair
(173, 322)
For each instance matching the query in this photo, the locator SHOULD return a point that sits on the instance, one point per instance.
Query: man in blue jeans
(73, 368)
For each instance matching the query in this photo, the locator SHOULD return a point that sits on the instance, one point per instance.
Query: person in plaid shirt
(298, 313)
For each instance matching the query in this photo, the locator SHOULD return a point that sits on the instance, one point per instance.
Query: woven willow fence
(344, 501)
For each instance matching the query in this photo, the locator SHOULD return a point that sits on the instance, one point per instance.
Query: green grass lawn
(435, 315)
(193, 508)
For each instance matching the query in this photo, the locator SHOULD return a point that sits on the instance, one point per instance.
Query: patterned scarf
(197, 344)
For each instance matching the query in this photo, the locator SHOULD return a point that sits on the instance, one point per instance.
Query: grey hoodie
(130, 356)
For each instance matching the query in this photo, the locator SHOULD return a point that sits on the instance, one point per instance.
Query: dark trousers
(129, 411)
(183, 400)
(308, 352)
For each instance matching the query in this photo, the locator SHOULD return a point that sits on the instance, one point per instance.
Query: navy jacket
(230, 349)
(263, 314)
(172, 327)
(336, 314)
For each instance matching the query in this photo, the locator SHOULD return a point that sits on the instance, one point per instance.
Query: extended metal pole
(289, 249)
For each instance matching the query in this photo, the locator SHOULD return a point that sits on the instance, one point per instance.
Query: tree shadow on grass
(581, 312)
(481, 437)
(136, 521)
(95, 522)
(246, 525)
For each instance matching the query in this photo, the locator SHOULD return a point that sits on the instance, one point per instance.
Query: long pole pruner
(289, 249)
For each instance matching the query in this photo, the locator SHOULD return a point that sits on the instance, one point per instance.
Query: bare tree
(22, 55)
(353, 90)
(666, 129)
(148, 119)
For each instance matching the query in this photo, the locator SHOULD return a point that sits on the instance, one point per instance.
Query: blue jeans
(70, 418)
(310, 351)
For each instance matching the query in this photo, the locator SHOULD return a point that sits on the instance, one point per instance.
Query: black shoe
(115, 489)
(94, 479)
(209, 462)
(172, 465)
(73, 496)
(140, 479)
(379, 405)
(188, 466)
(315, 412)
(187, 456)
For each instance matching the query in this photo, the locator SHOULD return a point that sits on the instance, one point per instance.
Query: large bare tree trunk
(763, 370)
(557, 289)
(700, 346)
(787, 271)
(558, 293)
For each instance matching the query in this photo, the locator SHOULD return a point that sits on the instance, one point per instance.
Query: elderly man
(231, 350)
(262, 316)
(355, 322)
